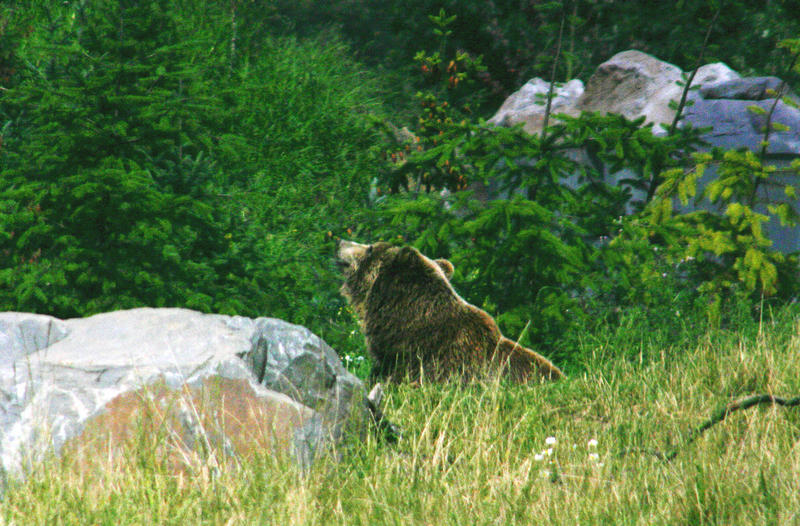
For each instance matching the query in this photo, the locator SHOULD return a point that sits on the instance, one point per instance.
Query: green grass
(476, 454)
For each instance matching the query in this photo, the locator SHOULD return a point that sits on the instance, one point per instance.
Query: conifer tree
(105, 182)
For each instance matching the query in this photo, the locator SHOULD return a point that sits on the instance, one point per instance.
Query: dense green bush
(561, 257)
(168, 154)
(105, 191)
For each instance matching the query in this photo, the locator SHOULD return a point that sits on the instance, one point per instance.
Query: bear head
(361, 264)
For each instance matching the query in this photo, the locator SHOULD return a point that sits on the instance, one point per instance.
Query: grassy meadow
(575, 452)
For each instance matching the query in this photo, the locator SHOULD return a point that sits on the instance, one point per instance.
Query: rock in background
(527, 105)
(635, 84)
(216, 387)
(631, 83)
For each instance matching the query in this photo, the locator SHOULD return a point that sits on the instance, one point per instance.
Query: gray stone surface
(751, 88)
(735, 125)
(633, 84)
(713, 73)
(22, 334)
(527, 105)
(57, 376)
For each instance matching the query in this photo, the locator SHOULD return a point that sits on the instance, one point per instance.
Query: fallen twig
(723, 413)
(717, 417)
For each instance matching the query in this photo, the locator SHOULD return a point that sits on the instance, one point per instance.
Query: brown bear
(417, 326)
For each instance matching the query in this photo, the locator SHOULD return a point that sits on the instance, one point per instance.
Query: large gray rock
(630, 83)
(635, 84)
(232, 385)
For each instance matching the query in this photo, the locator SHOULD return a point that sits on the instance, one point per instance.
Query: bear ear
(446, 267)
(406, 253)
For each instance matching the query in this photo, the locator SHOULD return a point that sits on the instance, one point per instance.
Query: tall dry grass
(573, 452)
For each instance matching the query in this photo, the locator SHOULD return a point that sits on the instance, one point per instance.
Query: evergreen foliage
(108, 197)
(152, 157)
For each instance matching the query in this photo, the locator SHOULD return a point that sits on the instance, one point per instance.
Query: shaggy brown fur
(415, 323)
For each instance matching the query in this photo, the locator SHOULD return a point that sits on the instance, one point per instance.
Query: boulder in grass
(211, 385)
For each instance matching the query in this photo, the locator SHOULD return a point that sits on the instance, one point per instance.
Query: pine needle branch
(768, 125)
(651, 189)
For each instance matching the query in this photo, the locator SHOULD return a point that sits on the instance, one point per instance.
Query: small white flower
(594, 457)
(549, 452)
(538, 457)
(592, 443)
(545, 473)
(550, 441)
